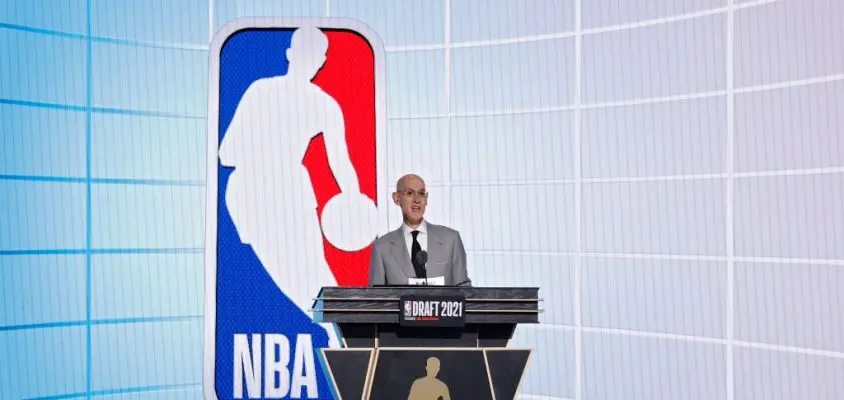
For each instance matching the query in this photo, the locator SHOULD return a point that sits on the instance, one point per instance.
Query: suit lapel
(399, 251)
(435, 244)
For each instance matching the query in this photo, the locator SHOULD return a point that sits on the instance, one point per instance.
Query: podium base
(421, 373)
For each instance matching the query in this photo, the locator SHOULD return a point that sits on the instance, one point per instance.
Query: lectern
(426, 342)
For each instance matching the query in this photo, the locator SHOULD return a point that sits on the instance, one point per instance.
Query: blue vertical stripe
(88, 102)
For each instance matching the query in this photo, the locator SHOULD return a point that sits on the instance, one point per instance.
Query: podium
(426, 342)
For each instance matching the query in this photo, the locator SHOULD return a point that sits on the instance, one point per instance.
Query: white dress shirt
(422, 237)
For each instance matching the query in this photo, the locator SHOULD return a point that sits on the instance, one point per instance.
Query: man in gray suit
(395, 256)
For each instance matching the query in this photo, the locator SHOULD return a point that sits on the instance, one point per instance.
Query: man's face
(412, 197)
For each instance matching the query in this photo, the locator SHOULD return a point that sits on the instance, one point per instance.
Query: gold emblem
(429, 387)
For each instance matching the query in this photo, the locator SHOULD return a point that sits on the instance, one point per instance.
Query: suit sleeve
(458, 262)
(377, 276)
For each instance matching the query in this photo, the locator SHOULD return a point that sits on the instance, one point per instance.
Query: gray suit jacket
(390, 262)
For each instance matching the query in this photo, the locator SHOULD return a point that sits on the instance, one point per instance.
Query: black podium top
(380, 304)
(372, 316)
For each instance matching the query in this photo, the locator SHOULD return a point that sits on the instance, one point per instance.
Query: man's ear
(396, 198)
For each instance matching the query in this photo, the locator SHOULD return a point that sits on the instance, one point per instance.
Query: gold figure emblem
(429, 387)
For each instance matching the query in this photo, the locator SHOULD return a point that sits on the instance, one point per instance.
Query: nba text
(278, 377)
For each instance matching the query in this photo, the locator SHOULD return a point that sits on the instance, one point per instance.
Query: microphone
(422, 258)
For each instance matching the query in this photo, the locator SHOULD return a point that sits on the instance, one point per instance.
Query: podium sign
(427, 342)
(432, 311)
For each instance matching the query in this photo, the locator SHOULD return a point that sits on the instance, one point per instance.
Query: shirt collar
(423, 228)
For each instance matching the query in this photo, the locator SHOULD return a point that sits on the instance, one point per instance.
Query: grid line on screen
(144, 113)
(101, 181)
(635, 102)
(211, 24)
(468, 44)
(402, 48)
(789, 349)
(448, 112)
(149, 44)
(128, 390)
(30, 29)
(631, 256)
(730, 194)
(691, 339)
(145, 182)
(38, 104)
(97, 251)
(100, 110)
(625, 103)
(95, 322)
(671, 257)
(645, 178)
(89, 78)
(790, 84)
(578, 199)
(106, 39)
(591, 31)
(676, 18)
(781, 260)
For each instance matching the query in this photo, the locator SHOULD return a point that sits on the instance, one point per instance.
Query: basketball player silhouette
(429, 387)
(269, 194)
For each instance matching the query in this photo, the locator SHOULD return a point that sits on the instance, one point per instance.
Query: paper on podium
(435, 281)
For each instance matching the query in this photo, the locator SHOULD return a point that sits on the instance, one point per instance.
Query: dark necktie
(414, 250)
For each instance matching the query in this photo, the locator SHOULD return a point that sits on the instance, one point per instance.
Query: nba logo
(295, 173)
(408, 308)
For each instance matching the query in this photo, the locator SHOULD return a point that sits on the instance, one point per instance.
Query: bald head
(412, 197)
(408, 179)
